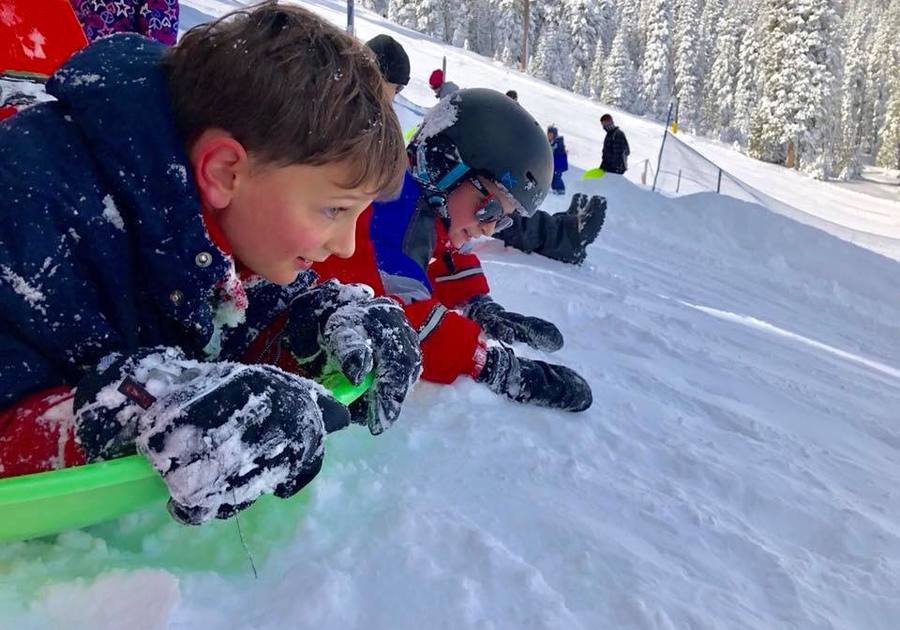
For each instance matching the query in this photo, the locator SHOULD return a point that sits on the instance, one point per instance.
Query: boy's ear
(220, 165)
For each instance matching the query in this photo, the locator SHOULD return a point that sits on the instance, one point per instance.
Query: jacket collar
(116, 93)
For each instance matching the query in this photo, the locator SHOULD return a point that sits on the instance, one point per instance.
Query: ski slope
(739, 467)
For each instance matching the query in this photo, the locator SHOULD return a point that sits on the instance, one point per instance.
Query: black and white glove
(220, 434)
(344, 325)
(534, 382)
(509, 327)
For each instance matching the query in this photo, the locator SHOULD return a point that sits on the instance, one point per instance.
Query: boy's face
(280, 220)
(464, 202)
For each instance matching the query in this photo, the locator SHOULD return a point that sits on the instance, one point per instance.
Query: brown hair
(292, 89)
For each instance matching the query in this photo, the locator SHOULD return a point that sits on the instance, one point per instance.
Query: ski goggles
(490, 210)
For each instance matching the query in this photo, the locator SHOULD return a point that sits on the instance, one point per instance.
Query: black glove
(534, 382)
(343, 323)
(220, 434)
(591, 213)
(510, 327)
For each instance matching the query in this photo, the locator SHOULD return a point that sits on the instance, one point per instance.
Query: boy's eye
(333, 213)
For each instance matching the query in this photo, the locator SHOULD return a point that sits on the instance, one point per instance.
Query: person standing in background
(156, 19)
(440, 86)
(615, 147)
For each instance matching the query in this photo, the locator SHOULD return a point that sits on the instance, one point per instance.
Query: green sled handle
(410, 133)
(71, 498)
(593, 173)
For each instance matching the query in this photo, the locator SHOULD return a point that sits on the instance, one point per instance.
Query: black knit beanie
(392, 59)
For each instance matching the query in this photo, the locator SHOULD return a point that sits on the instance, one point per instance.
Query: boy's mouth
(303, 263)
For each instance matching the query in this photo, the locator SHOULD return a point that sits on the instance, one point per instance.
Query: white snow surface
(738, 469)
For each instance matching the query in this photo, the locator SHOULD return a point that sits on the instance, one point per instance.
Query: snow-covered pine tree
(629, 19)
(688, 66)
(607, 23)
(482, 16)
(508, 29)
(656, 71)
(595, 79)
(889, 152)
(378, 6)
(552, 62)
(855, 110)
(749, 78)
(619, 78)
(883, 61)
(430, 18)
(798, 68)
(403, 12)
(713, 17)
(721, 85)
(582, 18)
(580, 84)
(457, 24)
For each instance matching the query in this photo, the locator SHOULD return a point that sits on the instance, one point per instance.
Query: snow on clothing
(394, 243)
(615, 151)
(157, 19)
(562, 236)
(102, 246)
(403, 251)
(560, 163)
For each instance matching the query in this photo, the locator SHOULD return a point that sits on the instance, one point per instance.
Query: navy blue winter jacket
(102, 245)
(560, 155)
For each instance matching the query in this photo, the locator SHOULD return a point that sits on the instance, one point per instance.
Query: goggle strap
(452, 176)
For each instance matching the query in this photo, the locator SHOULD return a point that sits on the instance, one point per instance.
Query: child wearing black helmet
(477, 160)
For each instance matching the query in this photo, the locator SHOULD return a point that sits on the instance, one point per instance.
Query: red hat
(436, 79)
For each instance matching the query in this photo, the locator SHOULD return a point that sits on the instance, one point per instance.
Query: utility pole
(524, 57)
(350, 17)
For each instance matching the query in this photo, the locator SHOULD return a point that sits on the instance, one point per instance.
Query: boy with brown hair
(162, 211)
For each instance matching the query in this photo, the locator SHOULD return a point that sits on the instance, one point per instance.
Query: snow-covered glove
(509, 327)
(220, 434)
(343, 325)
(591, 213)
(534, 382)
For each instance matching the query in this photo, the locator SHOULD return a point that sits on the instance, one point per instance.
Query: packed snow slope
(739, 467)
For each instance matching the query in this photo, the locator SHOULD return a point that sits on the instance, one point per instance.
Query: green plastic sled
(593, 173)
(59, 500)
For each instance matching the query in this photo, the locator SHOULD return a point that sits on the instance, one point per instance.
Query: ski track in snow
(738, 468)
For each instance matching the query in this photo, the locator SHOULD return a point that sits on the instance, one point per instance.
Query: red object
(38, 35)
(436, 79)
(455, 277)
(450, 342)
(38, 434)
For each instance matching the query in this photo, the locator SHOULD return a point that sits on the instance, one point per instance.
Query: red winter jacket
(404, 252)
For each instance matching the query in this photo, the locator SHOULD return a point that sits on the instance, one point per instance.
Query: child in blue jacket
(560, 160)
(158, 215)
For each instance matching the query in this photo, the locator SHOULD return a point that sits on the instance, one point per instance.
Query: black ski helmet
(486, 132)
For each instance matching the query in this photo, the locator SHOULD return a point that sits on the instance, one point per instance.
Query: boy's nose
(343, 244)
